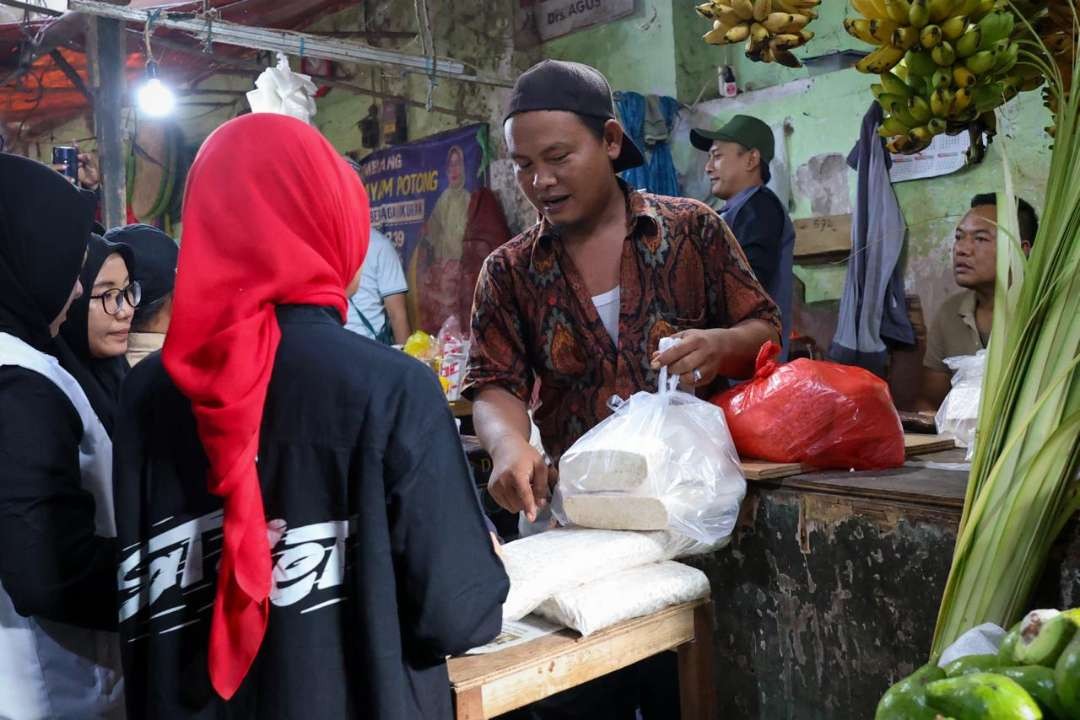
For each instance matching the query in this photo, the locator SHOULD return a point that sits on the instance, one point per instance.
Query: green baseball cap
(751, 133)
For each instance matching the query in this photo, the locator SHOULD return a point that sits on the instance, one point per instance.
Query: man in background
(155, 269)
(738, 168)
(377, 310)
(962, 325)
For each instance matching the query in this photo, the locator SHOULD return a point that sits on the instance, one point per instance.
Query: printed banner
(420, 196)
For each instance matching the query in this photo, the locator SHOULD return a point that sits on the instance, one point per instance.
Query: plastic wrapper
(421, 346)
(958, 415)
(282, 91)
(820, 414)
(662, 461)
(453, 357)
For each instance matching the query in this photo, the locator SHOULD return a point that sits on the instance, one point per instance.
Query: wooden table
(485, 686)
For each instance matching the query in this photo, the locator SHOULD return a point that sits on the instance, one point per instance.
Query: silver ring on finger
(697, 376)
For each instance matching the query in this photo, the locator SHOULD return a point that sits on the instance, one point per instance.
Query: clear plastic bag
(958, 415)
(662, 461)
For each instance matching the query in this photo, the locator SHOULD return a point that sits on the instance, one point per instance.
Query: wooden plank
(469, 704)
(828, 235)
(914, 444)
(524, 674)
(697, 689)
(105, 54)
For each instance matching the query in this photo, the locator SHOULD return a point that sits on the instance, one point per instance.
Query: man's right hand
(520, 478)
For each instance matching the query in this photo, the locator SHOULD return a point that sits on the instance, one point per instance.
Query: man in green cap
(738, 167)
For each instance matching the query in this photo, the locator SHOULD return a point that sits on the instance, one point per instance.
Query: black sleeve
(53, 565)
(453, 584)
(759, 227)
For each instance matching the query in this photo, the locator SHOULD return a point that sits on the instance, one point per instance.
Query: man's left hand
(89, 175)
(700, 350)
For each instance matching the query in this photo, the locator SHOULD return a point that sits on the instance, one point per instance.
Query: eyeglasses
(112, 301)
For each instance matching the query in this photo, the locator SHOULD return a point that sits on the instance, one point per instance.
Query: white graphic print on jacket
(171, 575)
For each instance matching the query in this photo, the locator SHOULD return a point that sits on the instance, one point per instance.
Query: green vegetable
(906, 700)
(1039, 683)
(982, 696)
(1043, 635)
(1067, 678)
(973, 664)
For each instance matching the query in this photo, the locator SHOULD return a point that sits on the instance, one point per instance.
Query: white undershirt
(607, 306)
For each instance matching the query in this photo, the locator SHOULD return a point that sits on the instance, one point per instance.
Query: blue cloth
(761, 224)
(873, 309)
(658, 174)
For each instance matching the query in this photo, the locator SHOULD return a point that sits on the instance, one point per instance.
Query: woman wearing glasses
(57, 529)
(95, 336)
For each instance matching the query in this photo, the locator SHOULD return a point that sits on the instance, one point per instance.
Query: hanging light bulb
(154, 97)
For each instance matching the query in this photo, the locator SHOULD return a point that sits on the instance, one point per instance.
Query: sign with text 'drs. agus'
(555, 18)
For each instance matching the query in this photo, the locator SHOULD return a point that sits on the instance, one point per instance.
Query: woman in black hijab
(57, 529)
(94, 339)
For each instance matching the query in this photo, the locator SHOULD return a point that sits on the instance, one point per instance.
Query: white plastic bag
(958, 415)
(282, 91)
(663, 460)
(543, 565)
(625, 595)
(982, 639)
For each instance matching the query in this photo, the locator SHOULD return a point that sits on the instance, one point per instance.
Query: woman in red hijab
(302, 538)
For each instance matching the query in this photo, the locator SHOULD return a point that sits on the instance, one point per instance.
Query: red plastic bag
(818, 413)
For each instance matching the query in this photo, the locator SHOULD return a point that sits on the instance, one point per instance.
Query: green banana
(941, 102)
(1007, 59)
(940, 9)
(1040, 684)
(904, 115)
(921, 136)
(969, 42)
(972, 664)
(942, 78)
(980, 63)
(1067, 678)
(1042, 636)
(898, 10)
(943, 54)
(998, 25)
(986, 98)
(891, 126)
(877, 90)
(918, 14)
(894, 85)
(889, 103)
(980, 696)
(919, 108)
(920, 63)
(936, 126)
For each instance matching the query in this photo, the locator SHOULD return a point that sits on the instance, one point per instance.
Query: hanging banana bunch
(771, 29)
(1055, 26)
(943, 63)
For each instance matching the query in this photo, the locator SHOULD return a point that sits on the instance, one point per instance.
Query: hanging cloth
(873, 309)
(658, 174)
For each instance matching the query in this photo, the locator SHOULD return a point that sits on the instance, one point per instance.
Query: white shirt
(380, 276)
(607, 306)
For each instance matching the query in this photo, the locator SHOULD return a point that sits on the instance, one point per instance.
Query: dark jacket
(382, 566)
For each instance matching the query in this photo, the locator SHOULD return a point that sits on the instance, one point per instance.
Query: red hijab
(272, 216)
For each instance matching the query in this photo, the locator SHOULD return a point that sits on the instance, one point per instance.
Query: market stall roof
(41, 57)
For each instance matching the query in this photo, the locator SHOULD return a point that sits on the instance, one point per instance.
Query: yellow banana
(718, 35)
(787, 41)
(920, 135)
(941, 102)
(961, 100)
(962, 77)
(762, 9)
(882, 30)
(860, 30)
(871, 9)
(786, 58)
(897, 10)
(881, 60)
(777, 20)
(904, 37)
(758, 33)
(744, 8)
(930, 36)
(738, 33)
(940, 9)
(954, 27)
(936, 126)
(943, 54)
